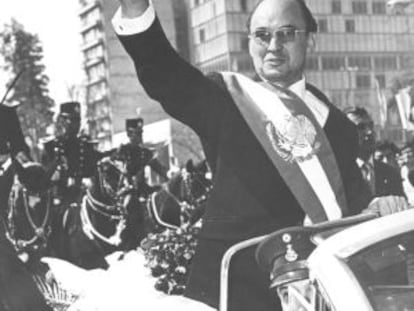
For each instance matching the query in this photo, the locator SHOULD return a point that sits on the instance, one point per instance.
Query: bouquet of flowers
(168, 254)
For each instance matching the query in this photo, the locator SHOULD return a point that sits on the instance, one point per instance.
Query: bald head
(311, 25)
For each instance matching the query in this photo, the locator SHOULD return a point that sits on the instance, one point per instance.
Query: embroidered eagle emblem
(295, 139)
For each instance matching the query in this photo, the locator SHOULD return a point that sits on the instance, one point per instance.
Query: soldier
(283, 256)
(11, 136)
(73, 153)
(137, 157)
(12, 143)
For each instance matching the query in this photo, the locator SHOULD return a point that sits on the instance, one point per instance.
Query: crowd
(280, 152)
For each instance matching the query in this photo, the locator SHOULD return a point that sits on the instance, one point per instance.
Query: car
(362, 263)
(369, 266)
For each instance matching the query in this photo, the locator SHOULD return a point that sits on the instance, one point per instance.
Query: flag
(382, 102)
(405, 108)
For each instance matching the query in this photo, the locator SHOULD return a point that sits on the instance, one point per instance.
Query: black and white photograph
(207, 155)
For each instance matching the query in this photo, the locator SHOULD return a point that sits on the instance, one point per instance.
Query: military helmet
(135, 123)
(70, 109)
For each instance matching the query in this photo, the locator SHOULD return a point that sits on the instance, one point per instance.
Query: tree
(22, 52)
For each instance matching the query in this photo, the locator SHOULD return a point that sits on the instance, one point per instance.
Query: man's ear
(311, 42)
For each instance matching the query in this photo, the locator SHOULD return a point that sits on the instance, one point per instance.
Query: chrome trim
(225, 266)
(350, 241)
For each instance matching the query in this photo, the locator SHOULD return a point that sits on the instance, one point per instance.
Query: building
(360, 44)
(219, 37)
(113, 92)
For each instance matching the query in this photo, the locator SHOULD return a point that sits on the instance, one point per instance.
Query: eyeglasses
(263, 36)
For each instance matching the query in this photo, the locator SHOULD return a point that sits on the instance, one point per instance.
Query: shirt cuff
(131, 26)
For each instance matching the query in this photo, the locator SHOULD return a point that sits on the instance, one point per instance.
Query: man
(137, 157)
(12, 143)
(383, 179)
(274, 152)
(387, 152)
(11, 136)
(283, 256)
(74, 154)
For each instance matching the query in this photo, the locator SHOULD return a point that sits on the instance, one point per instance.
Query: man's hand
(133, 8)
(387, 205)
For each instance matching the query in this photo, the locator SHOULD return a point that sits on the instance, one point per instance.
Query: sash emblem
(295, 140)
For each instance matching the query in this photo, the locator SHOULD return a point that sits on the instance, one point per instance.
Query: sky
(57, 24)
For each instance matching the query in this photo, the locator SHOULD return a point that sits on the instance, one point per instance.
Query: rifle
(11, 86)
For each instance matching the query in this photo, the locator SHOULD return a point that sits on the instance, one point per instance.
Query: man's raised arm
(182, 90)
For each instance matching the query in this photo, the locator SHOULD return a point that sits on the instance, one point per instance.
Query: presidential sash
(295, 143)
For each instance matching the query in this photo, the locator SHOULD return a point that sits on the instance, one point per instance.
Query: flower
(169, 255)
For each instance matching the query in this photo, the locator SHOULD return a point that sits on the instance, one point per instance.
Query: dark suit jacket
(249, 197)
(388, 180)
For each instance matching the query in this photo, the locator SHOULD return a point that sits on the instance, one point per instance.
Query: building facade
(360, 45)
(219, 35)
(113, 92)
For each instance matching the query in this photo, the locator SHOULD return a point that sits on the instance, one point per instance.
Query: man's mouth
(275, 61)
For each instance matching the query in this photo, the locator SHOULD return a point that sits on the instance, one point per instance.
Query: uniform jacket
(249, 197)
(135, 157)
(79, 154)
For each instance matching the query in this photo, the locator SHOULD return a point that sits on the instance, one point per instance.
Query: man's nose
(275, 44)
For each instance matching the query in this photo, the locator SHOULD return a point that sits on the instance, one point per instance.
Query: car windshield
(386, 273)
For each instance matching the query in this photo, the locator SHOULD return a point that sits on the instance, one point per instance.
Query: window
(378, 7)
(380, 80)
(322, 25)
(97, 91)
(384, 271)
(244, 43)
(243, 5)
(360, 62)
(92, 35)
(349, 25)
(363, 81)
(94, 53)
(359, 7)
(336, 7)
(92, 17)
(333, 63)
(407, 61)
(385, 62)
(96, 72)
(202, 35)
(312, 63)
